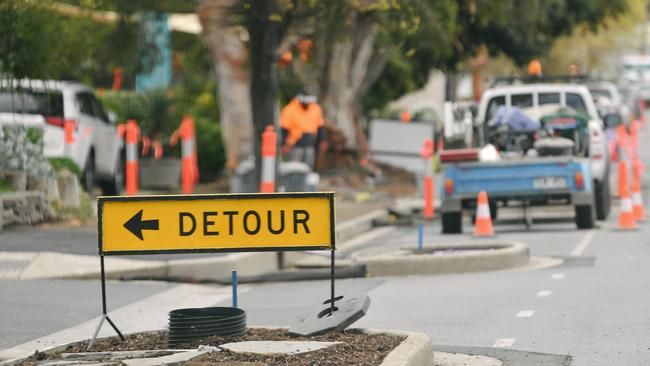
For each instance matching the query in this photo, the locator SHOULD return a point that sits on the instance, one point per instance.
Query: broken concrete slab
(320, 319)
(272, 347)
(173, 359)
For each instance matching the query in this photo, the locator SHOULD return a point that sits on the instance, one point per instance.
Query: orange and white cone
(637, 198)
(626, 216)
(483, 224)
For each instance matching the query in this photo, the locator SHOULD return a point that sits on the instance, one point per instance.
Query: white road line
(525, 313)
(557, 276)
(544, 293)
(504, 342)
(583, 243)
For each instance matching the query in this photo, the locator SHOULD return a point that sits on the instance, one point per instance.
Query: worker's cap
(307, 96)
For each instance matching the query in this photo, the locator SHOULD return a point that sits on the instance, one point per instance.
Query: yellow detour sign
(216, 223)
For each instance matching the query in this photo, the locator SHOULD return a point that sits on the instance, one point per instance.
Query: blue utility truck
(561, 158)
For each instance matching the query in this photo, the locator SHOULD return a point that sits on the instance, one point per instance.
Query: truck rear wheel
(452, 222)
(585, 216)
(603, 198)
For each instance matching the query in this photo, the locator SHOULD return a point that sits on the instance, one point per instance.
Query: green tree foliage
(26, 35)
(520, 30)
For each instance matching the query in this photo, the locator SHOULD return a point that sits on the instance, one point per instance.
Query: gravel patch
(357, 348)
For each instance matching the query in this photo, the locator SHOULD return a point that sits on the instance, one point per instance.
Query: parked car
(97, 149)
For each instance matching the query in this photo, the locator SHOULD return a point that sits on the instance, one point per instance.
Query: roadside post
(234, 288)
(269, 150)
(427, 156)
(209, 223)
(420, 236)
(188, 155)
(132, 132)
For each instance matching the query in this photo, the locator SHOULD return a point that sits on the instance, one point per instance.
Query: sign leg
(332, 278)
(94, 338)
(104, 312)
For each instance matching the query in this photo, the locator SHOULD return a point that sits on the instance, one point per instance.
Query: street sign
(215, 223)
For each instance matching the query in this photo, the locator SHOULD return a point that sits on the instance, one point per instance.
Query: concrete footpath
(352, 220)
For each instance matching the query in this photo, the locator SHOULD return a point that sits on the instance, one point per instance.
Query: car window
(32, 102)
(99, 110)
(85, 102)
(549, 98)
(493, 106)
(521, 100)
(576, 102)
(600, 93)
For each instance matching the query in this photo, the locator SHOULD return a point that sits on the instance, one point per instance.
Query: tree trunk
(348, 64)
(230, 58)
(265, 36)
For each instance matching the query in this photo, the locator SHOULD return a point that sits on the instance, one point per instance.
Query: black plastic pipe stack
(186, 325)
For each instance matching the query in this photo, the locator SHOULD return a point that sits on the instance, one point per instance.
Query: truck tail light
(449, 186)
(580, 180)
(58, 121)
(449, 156)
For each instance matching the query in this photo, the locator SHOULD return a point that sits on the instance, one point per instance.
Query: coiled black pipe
(186, 325)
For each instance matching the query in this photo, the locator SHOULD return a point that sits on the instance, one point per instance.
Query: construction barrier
(132, 135)
(637, 198)
(483, 224)
(626, 216)
(269, 150)
(428, 186)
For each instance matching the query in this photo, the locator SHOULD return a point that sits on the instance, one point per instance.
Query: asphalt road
(590, 311)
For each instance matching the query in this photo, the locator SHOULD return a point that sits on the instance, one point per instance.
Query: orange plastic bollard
(269, 150)
(483, 225)
(405, 117)
(132, 132)
(428, 186)
(188, 154)
(634, 137)
(626, 216)
(638, 207)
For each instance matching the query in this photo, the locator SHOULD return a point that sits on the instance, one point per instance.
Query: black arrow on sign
(135, 225)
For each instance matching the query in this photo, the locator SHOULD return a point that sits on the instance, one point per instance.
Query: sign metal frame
(233, 196)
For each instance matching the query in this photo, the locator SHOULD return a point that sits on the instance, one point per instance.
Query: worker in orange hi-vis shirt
(302, 129)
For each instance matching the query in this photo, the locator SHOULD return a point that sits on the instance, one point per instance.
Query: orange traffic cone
(626, 216)
(483, 224)
(637, 199)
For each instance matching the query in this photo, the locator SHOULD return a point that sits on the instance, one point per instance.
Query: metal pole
(103, 276)
(332, 274)
(420, 236)
(104, 312)
(234, 289)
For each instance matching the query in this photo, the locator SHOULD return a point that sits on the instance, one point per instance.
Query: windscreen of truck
(32, 102)
(576, 102)
(493, 106)
(521, 100)
(548, 98)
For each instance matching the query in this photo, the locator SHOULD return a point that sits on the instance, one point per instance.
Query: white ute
(97, 149)
(578, 97)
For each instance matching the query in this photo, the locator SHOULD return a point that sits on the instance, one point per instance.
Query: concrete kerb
(462, 257)
(415, 350)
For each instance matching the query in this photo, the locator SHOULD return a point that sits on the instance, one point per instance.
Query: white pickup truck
(97, 149)
(537, 95)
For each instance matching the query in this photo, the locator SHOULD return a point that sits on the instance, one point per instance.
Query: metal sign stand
(104, 312)
(332, 295)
